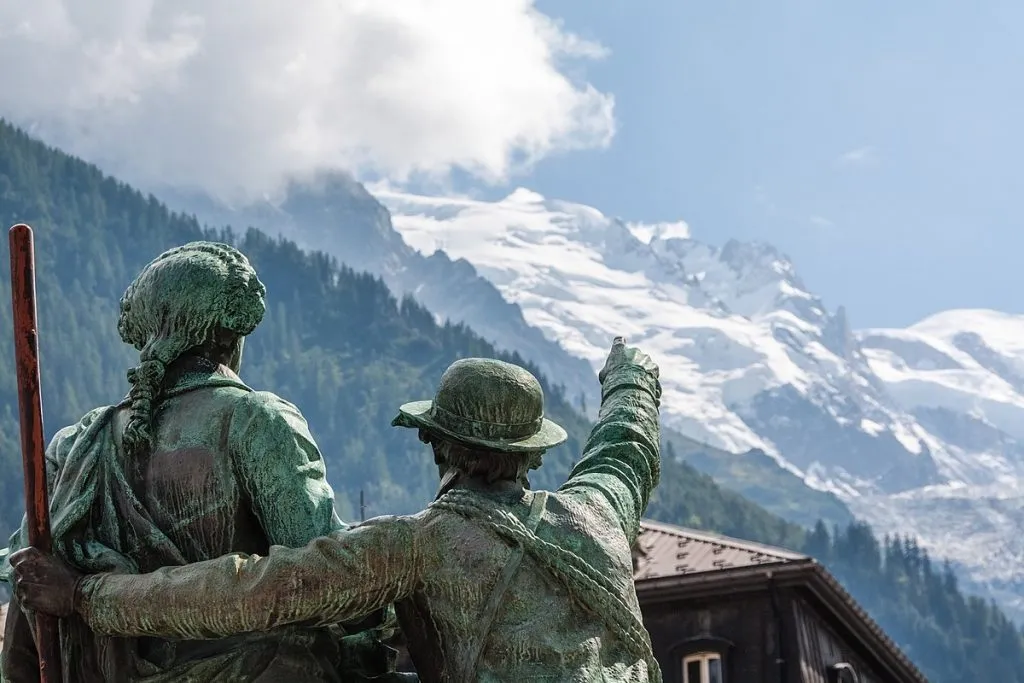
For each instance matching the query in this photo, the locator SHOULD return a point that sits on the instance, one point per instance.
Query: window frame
(682, 650)
(704, 657)
(842, 672)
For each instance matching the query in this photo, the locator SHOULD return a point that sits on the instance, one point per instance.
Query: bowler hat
(486, 403)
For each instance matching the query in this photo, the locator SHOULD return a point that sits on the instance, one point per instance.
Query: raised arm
(341, 577)
(281, 468)
(622, 459)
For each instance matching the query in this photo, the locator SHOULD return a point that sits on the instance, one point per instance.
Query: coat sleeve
(621, 461)
(282, 471)
(341, 577)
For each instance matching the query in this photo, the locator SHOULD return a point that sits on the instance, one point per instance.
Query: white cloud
(235, 96)
(861, 156)
(821, 222)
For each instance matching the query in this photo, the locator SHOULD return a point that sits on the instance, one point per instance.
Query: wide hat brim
(417, 414)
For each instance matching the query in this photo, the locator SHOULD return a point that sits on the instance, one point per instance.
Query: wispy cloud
(821, 222)
(237, 97)
(861, 156)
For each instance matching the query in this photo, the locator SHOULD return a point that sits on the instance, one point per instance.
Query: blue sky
(878, 144)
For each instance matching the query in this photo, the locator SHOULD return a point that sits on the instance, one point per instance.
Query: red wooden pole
(30, 412)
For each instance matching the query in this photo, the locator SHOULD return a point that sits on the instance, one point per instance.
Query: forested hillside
(337, 344)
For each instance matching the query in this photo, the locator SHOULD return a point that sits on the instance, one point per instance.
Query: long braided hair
(180, 301)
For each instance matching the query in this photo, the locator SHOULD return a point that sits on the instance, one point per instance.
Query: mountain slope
(741, 338)
(961, 374)
(754, 364)
(335, 214)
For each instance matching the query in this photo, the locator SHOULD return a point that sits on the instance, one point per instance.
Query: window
(703, 667)
(704, 659)
(842, 673)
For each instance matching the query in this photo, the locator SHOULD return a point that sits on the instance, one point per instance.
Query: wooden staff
(30, 412)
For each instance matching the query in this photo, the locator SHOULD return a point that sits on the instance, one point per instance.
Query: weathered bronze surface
(491, 582)
(191, 465)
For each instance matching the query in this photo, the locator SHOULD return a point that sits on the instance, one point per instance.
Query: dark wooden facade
(768, 615)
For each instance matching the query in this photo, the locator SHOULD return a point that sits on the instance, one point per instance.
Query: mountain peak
(522, 195)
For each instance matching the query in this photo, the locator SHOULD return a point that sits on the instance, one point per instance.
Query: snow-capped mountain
(913, 429)
(335, 214)
(961, 375)
(750, 358)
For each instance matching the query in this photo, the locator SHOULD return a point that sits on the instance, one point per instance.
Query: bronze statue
(191, 465)
(492, 581)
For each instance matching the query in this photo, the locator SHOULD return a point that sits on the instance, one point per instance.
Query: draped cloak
(232, 469)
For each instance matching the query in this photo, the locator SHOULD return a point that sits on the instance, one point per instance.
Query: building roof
(672, 562)
(666, 550)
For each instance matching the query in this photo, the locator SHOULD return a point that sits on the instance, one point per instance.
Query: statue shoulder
(66, 436)
(262, 419)
(267, 408)
(268, 403)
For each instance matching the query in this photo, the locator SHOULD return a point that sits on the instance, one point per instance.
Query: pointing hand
(626, 355)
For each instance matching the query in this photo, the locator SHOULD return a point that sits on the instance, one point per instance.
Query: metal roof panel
(668, 550)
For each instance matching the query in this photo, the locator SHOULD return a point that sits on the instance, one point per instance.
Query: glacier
(916, 430)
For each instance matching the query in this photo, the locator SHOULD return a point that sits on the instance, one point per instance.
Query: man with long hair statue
(191, 465)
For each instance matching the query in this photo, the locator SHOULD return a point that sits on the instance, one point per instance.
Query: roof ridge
(720, 539)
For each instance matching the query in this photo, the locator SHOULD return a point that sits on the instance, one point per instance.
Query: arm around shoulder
(340, 577)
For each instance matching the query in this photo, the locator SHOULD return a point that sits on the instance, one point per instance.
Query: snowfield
(919, 430)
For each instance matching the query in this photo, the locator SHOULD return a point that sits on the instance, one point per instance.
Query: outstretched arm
(341, 577)
(622, 459)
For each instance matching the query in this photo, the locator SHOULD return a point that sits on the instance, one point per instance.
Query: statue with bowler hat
(492, 581)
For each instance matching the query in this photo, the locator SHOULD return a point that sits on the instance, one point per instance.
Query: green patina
(491, 582)
(192, 464)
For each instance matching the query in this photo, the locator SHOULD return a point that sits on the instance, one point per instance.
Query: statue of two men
(492, 581)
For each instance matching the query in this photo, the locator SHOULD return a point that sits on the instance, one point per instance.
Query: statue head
(202, 298)
(486, 421)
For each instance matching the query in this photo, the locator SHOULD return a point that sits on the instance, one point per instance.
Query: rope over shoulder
(590, 587)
